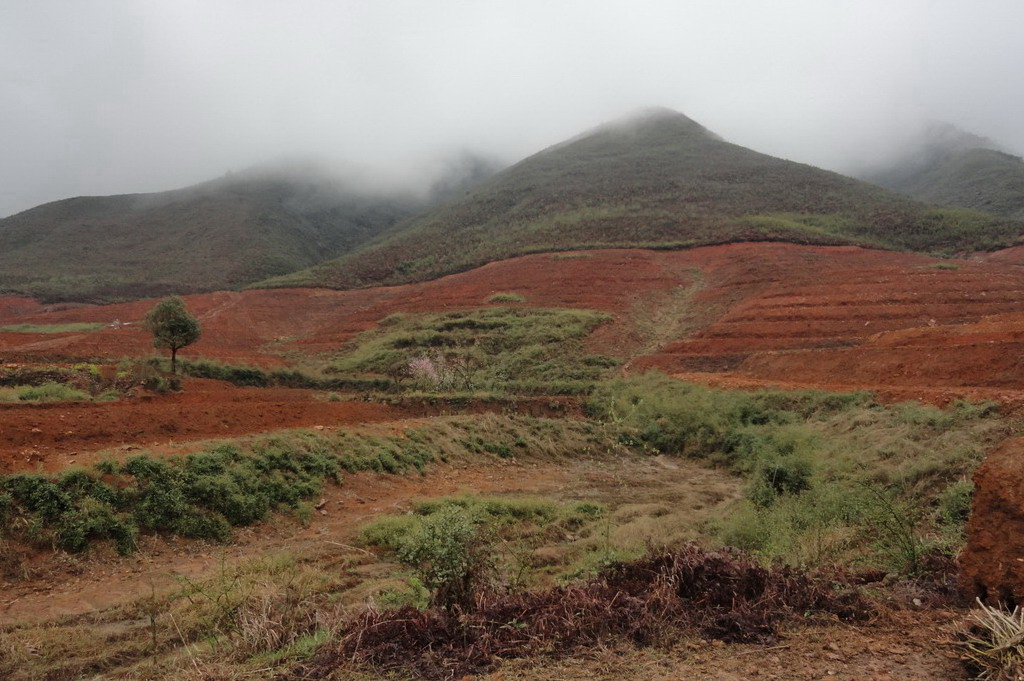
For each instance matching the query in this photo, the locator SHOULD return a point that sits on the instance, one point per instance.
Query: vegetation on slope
(948, 166)
(517, 350)
(221, 234)
(205, 494)
(495, 351)
(982, 179)
(831, 478)
(828, 479)
(659, 180)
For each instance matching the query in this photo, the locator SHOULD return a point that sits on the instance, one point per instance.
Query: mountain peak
(654, 118)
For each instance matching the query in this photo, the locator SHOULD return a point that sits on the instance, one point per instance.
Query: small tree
(172, 327)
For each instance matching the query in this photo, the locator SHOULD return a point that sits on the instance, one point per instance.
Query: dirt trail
(79, 584)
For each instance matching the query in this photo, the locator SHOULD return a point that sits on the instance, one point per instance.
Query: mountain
(221, 234)
(657, 179)
(946, 165)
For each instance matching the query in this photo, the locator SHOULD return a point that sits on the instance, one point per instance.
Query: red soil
(992, 564)
(56, 435)
(257, 326)
(823, 316)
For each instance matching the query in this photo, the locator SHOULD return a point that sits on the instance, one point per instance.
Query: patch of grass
(506, 297)
(571, 256)
(830, 477)
(240, 620)
(75, 327)
(251, 376)
(517, 350)
(47, 392)
(495, 512)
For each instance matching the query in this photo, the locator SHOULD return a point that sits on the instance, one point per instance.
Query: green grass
(830, 477)
(507, 297)
(516, 350)
(570, 256)
(663, 181)
(47, 392)
(204, 494)
(76, 327)
(495, 512)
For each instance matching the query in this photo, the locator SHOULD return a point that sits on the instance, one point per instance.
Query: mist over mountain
(225, 233)
(949, 166)
(654, 179)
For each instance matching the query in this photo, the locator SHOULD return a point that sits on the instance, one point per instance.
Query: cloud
(109, 97)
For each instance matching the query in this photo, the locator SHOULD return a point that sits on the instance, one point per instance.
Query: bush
(779, 477)
(451, 555)
(51, 392)
(200, 496)
(955, 503)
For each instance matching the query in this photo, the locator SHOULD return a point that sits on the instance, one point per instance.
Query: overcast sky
(141, 95)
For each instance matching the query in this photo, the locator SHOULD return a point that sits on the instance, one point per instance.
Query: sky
(106, 97)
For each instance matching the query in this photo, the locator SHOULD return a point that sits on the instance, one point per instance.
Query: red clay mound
(992, 564)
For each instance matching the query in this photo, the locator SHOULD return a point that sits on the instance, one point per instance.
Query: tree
(172, 327)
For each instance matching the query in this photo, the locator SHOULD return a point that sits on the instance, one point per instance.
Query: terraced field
(822, 316)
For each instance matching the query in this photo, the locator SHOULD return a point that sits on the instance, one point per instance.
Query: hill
(221, 234)
(945, 165)
(658, 179)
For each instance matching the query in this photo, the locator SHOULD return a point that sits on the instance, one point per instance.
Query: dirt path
(73, 585)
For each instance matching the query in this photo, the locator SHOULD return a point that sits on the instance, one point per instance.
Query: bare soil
(821, 316)
(53, 436)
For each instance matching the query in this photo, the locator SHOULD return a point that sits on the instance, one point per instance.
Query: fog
(128, 96)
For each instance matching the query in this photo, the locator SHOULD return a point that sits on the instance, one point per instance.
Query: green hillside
(971, 176)
(226, 233)
(658, 179)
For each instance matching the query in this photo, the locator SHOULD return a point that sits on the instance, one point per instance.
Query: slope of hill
(225, 233)
(658, 179)
(945, 165)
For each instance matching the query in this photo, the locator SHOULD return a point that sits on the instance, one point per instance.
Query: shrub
(51, 392)
(779, 477)
(451, 555)
(955, 503)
